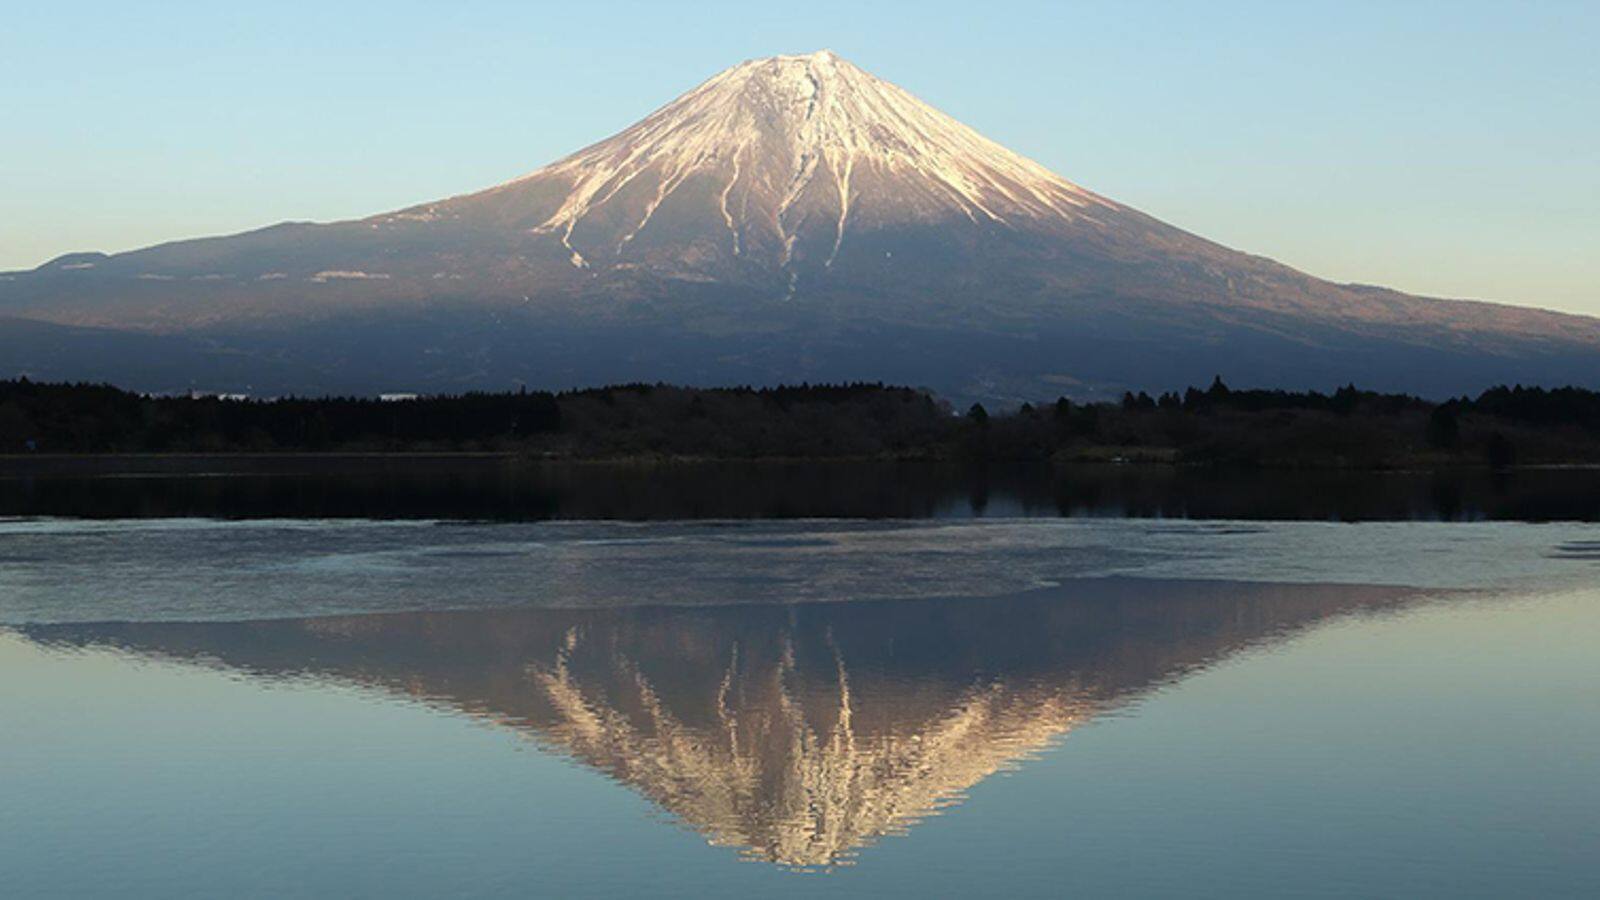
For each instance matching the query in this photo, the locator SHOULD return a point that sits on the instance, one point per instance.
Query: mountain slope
(792, 218)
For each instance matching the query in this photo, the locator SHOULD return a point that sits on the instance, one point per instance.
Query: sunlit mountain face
(798, 734)
(790, 219)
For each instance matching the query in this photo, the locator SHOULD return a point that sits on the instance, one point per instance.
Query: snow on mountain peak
(782, 144)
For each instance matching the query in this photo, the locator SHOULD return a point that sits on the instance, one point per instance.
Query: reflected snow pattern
(799, 734)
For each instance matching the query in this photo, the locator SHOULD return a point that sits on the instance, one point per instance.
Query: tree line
(1216, 424)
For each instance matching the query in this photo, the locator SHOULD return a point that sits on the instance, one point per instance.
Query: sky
(1448, 149)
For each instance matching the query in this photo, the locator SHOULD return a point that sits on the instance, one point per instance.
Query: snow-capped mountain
(773, 162)
(792, 218)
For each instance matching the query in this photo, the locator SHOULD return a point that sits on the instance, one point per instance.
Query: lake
(478, 678)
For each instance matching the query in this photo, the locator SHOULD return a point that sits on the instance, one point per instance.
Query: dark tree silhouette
(1219, 425)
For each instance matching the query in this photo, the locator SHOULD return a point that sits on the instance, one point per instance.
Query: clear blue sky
(1448, 148)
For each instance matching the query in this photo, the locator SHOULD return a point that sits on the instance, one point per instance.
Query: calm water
(497, 489)
(999, 706)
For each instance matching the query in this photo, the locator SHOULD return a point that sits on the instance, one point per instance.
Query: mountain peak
(782, 155)
(819, 56)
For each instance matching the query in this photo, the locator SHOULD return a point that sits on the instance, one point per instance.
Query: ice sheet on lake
(184, 569)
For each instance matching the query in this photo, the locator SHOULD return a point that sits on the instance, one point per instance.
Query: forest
(1216, 425)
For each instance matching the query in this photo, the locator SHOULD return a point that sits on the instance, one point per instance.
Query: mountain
(792, 218)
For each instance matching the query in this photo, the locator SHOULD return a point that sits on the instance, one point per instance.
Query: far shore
(287, 462)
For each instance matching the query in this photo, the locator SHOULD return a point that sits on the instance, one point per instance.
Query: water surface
(504, 489)
(1026, 707)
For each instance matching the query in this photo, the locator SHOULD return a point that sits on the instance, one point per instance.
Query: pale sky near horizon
(1449, 149)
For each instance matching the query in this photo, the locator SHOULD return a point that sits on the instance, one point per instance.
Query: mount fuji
(791, 219)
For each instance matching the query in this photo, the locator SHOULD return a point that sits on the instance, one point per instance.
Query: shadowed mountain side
(1084, 352)
(798, 733)
(48, 352)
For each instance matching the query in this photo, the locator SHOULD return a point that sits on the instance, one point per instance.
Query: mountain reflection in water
(798, 733)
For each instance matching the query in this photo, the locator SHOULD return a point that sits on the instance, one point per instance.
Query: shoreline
(264, 462)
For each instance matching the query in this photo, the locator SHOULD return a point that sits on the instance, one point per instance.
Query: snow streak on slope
(788, 140)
